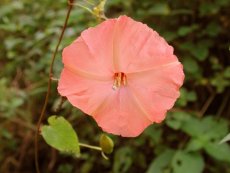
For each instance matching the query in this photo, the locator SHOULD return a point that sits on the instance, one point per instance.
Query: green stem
(89, 10)
(90, 146)
(89, 2)
(86, 8)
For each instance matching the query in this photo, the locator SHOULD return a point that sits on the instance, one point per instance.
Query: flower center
(119, 80)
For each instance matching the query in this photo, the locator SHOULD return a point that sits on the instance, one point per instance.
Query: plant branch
(207, 103)
(223, 104)
(49, 88)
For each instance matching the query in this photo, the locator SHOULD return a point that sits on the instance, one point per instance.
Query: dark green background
(186, 142)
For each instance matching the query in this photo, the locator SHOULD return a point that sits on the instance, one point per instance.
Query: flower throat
(119, 80)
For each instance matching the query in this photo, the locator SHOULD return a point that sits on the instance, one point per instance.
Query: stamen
(119, 80)
(124, 80)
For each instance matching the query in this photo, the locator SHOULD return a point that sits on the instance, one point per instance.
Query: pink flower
(123, 74)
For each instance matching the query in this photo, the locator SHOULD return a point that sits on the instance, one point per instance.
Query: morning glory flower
(123, 74)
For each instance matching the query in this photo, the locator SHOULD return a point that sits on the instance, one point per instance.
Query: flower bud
(106, 143)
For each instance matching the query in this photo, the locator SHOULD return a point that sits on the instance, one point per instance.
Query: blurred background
(186, 142)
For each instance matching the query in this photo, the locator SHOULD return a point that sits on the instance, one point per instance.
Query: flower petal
(84, 93)
(99, 40)
(157, 89)
(93, 51)
(138, 47)
(119, 114)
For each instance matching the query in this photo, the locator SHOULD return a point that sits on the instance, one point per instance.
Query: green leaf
(182, 101)
(227, 72)
(200, 52)
(219, 152)
(160, 9)
(169, 36)
(191, 96)
(175, 120)
(190, 65)
(220, 82)
(213, 29)
(123, 160)
(225, 139)
(208, 8)
(214, 129)
(193, 127)
(206, 129)
(161, 163)
(65, 168)
(60, 135)
(185, 30)
(194, 145)
(155, 137)
(187, 162)
(186, 96)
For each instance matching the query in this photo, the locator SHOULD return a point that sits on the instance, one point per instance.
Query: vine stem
(49, 88)
(90, 146)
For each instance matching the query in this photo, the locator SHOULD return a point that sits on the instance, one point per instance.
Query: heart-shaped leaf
(60, 135)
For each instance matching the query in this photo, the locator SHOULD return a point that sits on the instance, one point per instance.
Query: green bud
(106, 144)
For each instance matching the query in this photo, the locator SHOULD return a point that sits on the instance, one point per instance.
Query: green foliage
(186, 97)
(185, 30)
(187, 162)
(60, 135)
(159, 9)
(123, 160)
(219, 152)
(65, 168)
(205, 134)
(171, 161)
(188, 140)
(14, 96)
(162, 162)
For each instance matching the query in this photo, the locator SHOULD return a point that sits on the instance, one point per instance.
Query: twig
(223, 104)
(24, 146)
(21, 123)
(49, 88)
(8, 162)
(52, 160)
(207, 103)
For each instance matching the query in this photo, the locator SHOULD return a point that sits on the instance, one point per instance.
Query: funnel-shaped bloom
(123, 74)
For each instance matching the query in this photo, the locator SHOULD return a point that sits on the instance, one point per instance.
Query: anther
(119, 80)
